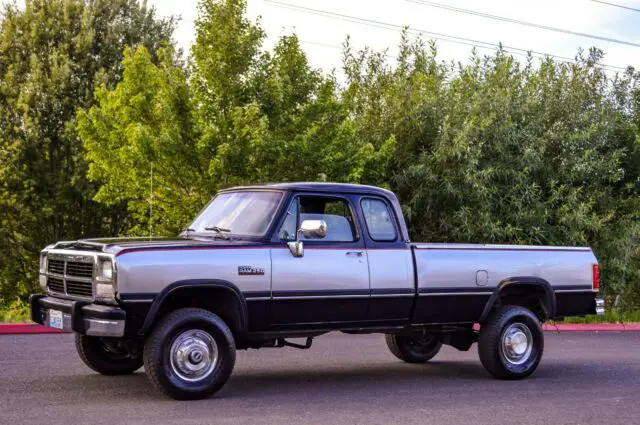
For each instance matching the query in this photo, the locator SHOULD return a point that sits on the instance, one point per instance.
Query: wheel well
(532, 297)
(221, 301)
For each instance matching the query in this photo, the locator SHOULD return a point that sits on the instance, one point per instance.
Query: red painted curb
(32, 328)
(585, 327)
(26, 328)
(590, 327)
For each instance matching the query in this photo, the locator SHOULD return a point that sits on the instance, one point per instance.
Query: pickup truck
(263, 264)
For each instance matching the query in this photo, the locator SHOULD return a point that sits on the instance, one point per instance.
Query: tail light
(596, 277)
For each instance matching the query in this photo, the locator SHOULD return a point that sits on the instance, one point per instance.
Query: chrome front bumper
(599, 306)
(82, 317)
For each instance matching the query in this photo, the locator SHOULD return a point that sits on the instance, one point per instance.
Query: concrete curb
(32, 328)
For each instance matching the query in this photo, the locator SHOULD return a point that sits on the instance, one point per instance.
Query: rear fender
(549, 298)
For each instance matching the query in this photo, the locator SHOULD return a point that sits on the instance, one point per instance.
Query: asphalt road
(584, 378)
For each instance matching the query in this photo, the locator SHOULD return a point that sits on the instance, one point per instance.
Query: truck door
(330, 282)
(390, 262)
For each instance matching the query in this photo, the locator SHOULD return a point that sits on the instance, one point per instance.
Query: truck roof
(320, 187)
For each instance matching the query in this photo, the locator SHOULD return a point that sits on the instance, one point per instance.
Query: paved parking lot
(584, 378)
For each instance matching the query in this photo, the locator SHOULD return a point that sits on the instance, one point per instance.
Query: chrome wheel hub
(516, 343)
(193, 355)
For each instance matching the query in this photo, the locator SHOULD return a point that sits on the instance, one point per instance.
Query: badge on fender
(250, 270)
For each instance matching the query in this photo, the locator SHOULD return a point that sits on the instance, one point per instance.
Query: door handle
(355, 253)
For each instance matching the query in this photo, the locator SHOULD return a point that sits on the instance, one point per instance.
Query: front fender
(243, 315)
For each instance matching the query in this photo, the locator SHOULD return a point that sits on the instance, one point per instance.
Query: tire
(500, 344)
(190, 354)
(419, 349)
(105, 358)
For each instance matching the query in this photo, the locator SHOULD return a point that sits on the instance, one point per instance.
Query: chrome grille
(55, 284)
(56, 266)
(81, 289)
(77, 269)
(70, 275)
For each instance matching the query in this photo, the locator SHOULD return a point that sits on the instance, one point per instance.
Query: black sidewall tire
(399, 345)
(158, 346)
(91, 351)
(490, 340)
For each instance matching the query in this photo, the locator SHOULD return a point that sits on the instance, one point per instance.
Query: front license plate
(55, 319)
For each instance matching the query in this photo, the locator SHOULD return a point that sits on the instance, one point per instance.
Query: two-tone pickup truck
(263, 264)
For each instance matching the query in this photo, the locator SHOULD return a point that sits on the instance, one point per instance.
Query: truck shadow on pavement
(350, 381)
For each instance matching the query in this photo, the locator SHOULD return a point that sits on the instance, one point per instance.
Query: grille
(55, 284)
(82, 289)
(56, 266)
(70, 277)
(77, 269)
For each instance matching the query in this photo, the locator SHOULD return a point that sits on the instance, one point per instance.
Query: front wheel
(413, 349)
(105, 357)
(190, 354)
(511, 343)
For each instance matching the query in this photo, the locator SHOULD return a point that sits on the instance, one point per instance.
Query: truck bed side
(456, 281)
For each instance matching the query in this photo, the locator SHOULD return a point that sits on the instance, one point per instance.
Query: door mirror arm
(310, 229)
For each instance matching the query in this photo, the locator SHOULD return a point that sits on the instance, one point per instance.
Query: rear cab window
(378, 219)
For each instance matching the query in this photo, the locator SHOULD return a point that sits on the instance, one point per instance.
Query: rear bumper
(79, 316)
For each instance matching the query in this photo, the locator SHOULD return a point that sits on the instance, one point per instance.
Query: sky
(322, 36)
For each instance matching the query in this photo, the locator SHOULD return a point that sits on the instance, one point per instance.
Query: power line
(434, 35)
(519, 22)
(621, 6)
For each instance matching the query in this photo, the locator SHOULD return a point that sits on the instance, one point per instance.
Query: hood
(115, 245)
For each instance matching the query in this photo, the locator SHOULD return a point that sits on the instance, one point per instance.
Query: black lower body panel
(450, 308)
(575, 303)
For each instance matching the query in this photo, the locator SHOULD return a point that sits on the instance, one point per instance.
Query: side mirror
(313, 229)
(310, 229)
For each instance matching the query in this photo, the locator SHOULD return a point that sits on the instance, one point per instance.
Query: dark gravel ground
(584, 378)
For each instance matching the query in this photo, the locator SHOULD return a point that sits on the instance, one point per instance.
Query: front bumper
(79, 316)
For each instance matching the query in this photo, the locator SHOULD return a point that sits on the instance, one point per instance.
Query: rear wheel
(106, 357)
(190, 354)
(413, 349)
(511, 343)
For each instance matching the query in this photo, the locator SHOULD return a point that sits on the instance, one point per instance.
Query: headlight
(106, 281)
(105, 270)
(43, 262)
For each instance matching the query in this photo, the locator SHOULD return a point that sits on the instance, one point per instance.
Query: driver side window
(333, 211)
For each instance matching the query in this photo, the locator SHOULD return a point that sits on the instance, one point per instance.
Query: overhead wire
(520, 22)
(621, 6)
(435, 35)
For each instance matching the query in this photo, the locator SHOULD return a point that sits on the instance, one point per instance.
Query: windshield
(240, 213)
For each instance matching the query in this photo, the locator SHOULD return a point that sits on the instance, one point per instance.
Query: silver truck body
(340, 285)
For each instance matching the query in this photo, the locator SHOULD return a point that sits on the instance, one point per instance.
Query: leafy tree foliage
(493, 151)
(241, 116)
(53, 53)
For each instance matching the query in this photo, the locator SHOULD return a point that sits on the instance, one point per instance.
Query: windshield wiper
(219, 230)
(187, 231)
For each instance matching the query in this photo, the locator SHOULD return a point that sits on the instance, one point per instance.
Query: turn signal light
(596, 277)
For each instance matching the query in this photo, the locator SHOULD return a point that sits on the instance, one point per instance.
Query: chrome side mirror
(310, 229)
(313, 229)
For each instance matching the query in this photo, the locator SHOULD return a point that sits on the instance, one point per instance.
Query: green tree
(144, 123)
(244, 115)
(53, 53)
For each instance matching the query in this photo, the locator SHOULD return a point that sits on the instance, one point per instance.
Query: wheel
(190, 354)
(106, 358)
(413, 349)
(511, 343)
